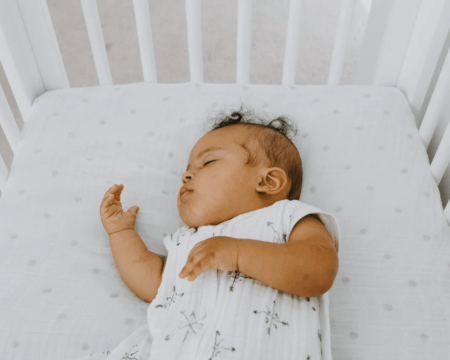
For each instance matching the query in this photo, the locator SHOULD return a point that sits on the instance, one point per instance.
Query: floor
(219, 24)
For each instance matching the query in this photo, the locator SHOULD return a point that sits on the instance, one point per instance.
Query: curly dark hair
(273, 138)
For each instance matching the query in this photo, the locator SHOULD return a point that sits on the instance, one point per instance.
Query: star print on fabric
(277, 238)
(237, 276)
(216, 346)
(270, 315)
(170, 299)
(176, 238)
(130, 355)
(190, 322)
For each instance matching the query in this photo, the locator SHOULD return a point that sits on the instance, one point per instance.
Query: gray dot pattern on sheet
(411, 283)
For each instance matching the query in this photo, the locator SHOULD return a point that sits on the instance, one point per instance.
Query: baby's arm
(305, 266)
(140, 268)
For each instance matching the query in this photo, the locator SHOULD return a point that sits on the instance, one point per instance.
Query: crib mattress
(62, 296)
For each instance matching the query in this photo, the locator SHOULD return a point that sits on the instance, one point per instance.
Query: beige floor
(219, 24)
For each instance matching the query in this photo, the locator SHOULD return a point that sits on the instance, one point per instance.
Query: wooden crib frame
(405, 45)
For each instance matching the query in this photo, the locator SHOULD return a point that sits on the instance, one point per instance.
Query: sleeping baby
(244, 278)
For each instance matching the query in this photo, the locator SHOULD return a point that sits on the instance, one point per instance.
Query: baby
(240, 176)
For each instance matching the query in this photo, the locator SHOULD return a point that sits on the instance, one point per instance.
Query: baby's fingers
(112, 194)
(106, 203)
(115, 190)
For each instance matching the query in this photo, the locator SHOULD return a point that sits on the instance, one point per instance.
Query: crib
(363, 147)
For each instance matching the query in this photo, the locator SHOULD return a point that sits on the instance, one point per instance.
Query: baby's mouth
(186, 192)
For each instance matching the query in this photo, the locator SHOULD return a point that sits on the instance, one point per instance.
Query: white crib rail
(95, 33)
(403, 42)
(145, 38)
(194, 31)
(340, 42)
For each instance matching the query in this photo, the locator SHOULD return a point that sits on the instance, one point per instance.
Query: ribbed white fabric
(230, 314)
(227, 315)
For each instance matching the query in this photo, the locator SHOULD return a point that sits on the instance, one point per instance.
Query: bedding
(363, 162)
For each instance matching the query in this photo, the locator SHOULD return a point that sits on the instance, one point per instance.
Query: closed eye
(209, 162)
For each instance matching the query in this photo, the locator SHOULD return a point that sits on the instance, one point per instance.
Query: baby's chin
(193, 223)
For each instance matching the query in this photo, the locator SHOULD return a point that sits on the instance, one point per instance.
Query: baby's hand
(111, 213)
(217, 252)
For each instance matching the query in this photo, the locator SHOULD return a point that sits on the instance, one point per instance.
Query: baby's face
(219, 186)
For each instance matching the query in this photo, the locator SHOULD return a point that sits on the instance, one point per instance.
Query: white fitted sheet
(62, 296)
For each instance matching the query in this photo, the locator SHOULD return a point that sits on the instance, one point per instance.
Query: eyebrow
(212, 148)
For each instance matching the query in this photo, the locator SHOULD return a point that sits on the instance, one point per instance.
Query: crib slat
(292, 42)
(432, 116)
(440, 163)
(12, 132)
(3, 173)
(424, 49)
(244, 41)
(37, 20)
(447, 212)
(17, 57)
(442, 157)
(340, 42)
(436, 104)
(194, 31)
(373, 39)
(398, 29)
(95, 33)
(145, 38)
(8, 122)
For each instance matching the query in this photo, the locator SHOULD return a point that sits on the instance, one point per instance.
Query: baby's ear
(274, 180)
